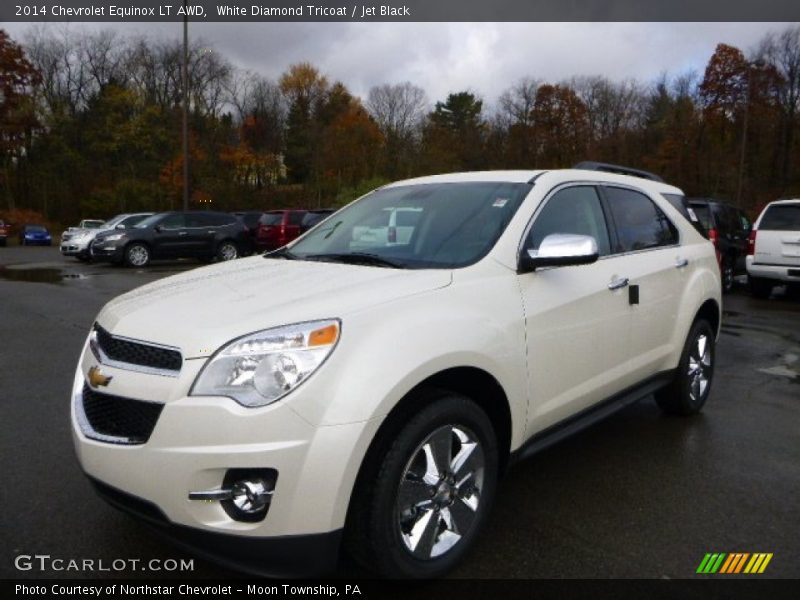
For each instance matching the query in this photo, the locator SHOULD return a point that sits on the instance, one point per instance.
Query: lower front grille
(118, 420)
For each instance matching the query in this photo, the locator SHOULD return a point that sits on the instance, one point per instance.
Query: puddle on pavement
(38, 275)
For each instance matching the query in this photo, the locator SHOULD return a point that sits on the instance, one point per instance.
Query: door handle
(182, 233)
(618, 283)
(681, 262)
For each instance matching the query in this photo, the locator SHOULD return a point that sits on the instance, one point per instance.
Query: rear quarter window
(781, 217)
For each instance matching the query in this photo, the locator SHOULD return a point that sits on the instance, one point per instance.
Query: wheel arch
(710, 311)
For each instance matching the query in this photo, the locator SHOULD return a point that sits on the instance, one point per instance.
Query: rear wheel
(727, 271)
(420, 508)
(760, 288)
(688, 392)
(227, 250)
(137, 255)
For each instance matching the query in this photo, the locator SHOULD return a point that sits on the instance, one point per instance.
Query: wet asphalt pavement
(638, 495)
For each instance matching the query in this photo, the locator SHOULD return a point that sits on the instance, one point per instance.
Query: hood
(202, 309)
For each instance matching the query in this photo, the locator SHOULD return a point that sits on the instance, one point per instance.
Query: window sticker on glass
(500, 202)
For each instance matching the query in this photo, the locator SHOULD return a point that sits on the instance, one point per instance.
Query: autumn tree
(560, 126)
(18, 78)
(515, 118)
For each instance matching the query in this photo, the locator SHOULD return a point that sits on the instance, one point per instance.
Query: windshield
(92, 224)
(35, 229)
(442, 225)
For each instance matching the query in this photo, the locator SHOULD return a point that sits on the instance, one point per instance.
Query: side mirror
(158, 229)
(560, 250)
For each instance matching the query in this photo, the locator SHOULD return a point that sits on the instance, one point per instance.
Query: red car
(3, 233)
(276, 228)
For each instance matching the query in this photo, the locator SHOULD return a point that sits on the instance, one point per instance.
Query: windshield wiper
(357, 258)
(281, 253)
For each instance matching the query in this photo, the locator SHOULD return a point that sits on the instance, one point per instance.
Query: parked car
(773, 255)
(250, 219)
(195, 234)
(312, 217)
(276, 228)
(34, 235)
(3, 232)
(75, 241)
(84, 224)
(335, 395)
(728, 228)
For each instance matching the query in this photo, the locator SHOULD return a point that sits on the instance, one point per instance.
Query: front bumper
(70, 248)
(110, 251)
(197, 440)
(286, 556)
(784, 273)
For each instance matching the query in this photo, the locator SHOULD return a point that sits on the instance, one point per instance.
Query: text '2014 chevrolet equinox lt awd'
(340, 395)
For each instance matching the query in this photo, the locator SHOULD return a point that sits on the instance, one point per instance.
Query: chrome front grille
(135, 355)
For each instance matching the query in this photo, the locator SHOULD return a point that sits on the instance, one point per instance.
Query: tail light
(392, 234)
(751, 243)
(712, 236)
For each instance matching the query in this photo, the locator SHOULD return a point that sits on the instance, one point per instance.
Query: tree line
(90, 125)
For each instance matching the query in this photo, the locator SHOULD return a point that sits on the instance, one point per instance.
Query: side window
(640, 224)
(296, 217)
(571, 210)
(173, 221)
(198, 220)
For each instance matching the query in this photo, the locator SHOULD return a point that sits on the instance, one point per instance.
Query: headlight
(113, 238)
(260, 368)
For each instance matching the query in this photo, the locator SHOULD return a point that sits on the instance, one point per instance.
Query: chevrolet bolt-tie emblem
(97, 379)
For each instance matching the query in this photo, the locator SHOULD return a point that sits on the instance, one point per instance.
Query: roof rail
(589, 165)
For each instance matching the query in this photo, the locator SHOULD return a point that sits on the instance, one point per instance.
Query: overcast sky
(444, 57)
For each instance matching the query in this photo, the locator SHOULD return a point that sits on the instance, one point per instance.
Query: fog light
(245, 494)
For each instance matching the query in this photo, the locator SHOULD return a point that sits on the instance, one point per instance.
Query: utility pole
(185, 86)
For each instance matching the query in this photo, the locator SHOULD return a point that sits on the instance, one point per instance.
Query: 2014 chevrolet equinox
(366, 389)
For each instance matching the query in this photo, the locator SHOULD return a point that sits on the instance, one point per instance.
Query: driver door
(577, 318)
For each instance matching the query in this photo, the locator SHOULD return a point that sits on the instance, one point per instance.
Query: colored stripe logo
(734, 563)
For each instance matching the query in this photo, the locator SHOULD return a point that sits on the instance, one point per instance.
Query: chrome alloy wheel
(440, 491)
(228, 252)
(138, 255)
(699, 367)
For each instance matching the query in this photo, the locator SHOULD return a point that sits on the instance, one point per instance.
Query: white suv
(273, 410)
(773, 254)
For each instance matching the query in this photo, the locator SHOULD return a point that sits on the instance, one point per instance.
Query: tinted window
(701, 210)
(781, 217)
(173, 221)
(35, 229)
(313, 218)
(744, 221)
(296, 217)
(251, 219)
(132, 220)
(640, 224)
(271, 218)
(572, 210)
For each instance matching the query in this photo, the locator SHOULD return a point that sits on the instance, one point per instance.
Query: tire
(137, 255)
(727, 275)
(227, 250)
(760, 288)
(689, 391)
(405, 495)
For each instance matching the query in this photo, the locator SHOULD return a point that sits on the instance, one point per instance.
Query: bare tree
(782, 51)
(398, 109)
(516, 103)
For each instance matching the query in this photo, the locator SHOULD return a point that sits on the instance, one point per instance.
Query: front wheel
(419, 512)
(227, 251)
(688, 392)
(137, 255)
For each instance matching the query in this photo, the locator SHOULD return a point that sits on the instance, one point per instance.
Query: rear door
(778, 236)
(649, 244)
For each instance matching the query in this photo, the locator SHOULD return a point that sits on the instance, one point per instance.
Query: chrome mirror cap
(560, 249)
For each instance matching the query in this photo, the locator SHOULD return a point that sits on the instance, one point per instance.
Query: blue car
(34, 235)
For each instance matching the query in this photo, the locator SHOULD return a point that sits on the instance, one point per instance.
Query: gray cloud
(445, 57)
